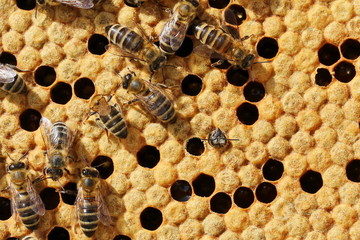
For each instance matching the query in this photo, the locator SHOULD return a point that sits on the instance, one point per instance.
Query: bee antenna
(9, 156)
(24, 155)
(63, 189)
(99, 165)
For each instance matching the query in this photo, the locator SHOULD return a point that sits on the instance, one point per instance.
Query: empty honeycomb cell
(104, 165)
(344, 71)
(26, 5)
(61, 93)
(353, 170)
(311, 181)
(267, 47)
(213, 225)
(181, 191)
(195, 146)
(148, 156)
(273, 26)
(219, 4)
(265, 192)
(350, 49)
(97, 44)
(323, 77)
(186, 48)
(243, 197)
(236, 76)
(247, 113)
(29, 120)
(50, 197)
(58, 233)
(5, 212)
(220, 203)
(84, 88)
(234, 14)
(273, 170)
(6, 57)
(328, 54)
(121, 237)
(203, 185)
(45, 76)
(151, 218)
(12, 41)
(254, 91)
(69, 196)
(191, 85)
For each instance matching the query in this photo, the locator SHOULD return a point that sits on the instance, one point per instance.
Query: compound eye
(21, 165)
(11, 167)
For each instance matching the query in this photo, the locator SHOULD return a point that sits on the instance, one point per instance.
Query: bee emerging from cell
(217, 139)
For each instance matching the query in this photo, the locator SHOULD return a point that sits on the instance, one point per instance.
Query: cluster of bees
(90, 206)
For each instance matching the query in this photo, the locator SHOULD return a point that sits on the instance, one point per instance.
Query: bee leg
(38, 179)
(246, 37)
(16, 68)
(217, 63)
(6, 189)
(132, 101)
(69, 173)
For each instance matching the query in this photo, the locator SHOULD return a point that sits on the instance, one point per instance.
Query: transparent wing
(45, 129)
(85, 4)
(14, 211)
(233, 31)
(57, 138)
(37, 203)
(7, 74)
(79, 197)
(103, 213)
(177, 30)
(204, 51)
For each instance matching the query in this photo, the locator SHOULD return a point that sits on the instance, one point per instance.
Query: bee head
(158, 63)
(248, 61)
(90, 172)
(217, 138)
(40, 2)
(55, 173)
(127, 80)
(16, 166)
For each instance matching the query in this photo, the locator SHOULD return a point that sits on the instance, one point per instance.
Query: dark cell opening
(353, 170)
(254, 91)
(26, 4)
(50, 197)
(6, 57)
(121, 237)
(328, 54)
(104, 165)
(12, 238)
(148, 156)
(214, 58)
(265, 192)
(243, 197)
(61, 93)
(247, 113)
(133, 3)
(191, 85)
(58, 233)
(186, 48)
(220, 203)
(311, 181)
(195, 146)
(350, 49)
(273, 170)
(151, 218)
(235, 14)
(181, 191)
(219, 4)
(69, 196)
(5, 210)
(204, 185)
(29, 120)
(97, 44)
(84, 88)
(236, 76)
(323, 77)
(45, 76)
(344, 71)
(267, 47)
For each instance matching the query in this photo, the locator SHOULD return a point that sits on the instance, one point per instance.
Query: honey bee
(139, 48)
(84, 4)
(25, 201)
(109, 116)
(173, 34)
(218, 139)
(10, 81)
(151, 97)
(90, 205)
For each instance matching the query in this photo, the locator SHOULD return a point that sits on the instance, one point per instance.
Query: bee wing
(37, 203)
(7, 74)
(45, 129)
(177, 41)
(234, 32)
(103, 213)
(14, 211)
(178, 36)
(85, 4)
(79, 197)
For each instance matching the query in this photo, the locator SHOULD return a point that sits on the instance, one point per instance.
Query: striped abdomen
(59, 135)
(25, 207)
(172, 36)
(215, 38)
(115, 123)
(88, 215)
(17, 86)
(125, 38)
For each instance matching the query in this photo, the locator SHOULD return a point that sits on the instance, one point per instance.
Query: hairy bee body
(10, 81)
(132, 43)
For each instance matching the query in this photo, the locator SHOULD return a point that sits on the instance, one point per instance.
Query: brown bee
(85, 4)
(10, 81)
(218, 139)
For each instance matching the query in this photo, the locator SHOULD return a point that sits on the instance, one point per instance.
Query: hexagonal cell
(97, 44)
(234, 14)
(195, 146)
(273, 170)
(219, 4)
(69, 196)
(121, 237)
(61, 93)
(58, 233)
(266, 192)
(5, 210)
(350, 49)
(247, 113)
(45, 76)
(353, 170)
(243, 197)
(344, 71)
(50, 197)
(323, 77)
(84, 88)
(148, 156)
(191, 85)
(254, 91)
(311, 181)
(181, 191)
(9, 58)
(267, 47)
(328, 54)
(30, 120)
(104, 165)
(186, 48)
(26, 4)
(151, 218)
(220, 203)
(203, 185)
(236, 76)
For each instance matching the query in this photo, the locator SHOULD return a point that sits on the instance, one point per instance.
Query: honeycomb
(292, 170)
